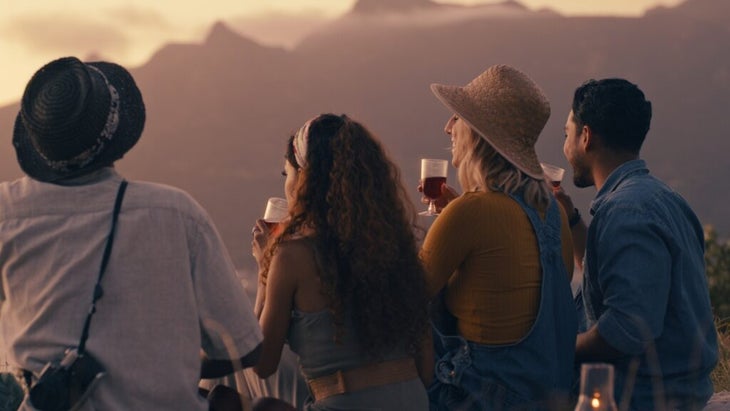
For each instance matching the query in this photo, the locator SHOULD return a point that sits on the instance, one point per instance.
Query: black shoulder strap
(98, 291)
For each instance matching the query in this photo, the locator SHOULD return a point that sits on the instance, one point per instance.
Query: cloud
(64, 34)
(128, 35)
(133, 17)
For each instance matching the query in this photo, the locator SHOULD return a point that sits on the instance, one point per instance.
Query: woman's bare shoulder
(296, 250)
(297, 244)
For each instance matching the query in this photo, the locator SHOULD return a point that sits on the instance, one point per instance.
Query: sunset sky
(33, 32)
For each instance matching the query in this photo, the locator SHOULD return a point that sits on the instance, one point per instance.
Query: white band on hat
(112, 119)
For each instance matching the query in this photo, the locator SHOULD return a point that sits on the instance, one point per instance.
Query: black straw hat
(76, 117)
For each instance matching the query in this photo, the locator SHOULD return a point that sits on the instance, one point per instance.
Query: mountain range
(220, 112)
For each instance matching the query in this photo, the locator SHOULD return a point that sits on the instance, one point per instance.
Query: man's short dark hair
(616, 110)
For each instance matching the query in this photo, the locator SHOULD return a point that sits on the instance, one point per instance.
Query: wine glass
(433, 175)
(277, 209)
(553, 173)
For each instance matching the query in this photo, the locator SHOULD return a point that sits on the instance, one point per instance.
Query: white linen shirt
(170, 288)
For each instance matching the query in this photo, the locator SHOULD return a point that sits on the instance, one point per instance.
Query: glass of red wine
(553, 173)
(433, 175)
(277, 209)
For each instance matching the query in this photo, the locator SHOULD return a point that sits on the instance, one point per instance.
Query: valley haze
(219, 112)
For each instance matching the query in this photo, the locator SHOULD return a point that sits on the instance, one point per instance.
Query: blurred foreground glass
(596, 388)
(553, 173)
(277, 209)
(433, 175)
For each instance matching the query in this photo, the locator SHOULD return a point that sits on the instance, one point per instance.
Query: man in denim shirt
(645, 292)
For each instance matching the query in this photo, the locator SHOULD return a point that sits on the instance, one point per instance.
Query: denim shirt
(645, 287)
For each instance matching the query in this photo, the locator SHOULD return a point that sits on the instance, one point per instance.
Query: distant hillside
(220, 111)
(380, 6)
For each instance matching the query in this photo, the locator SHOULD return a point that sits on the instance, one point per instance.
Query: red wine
(555, 183)
(274, 228)
(432, 187)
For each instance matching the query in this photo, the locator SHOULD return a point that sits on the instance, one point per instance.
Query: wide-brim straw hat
(506, 108)
(76, 117)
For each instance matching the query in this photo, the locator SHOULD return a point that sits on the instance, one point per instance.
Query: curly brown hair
(350, 194)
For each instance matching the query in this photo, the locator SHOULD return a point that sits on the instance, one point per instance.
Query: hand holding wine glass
(554, 174)
(448, 194)
(433, 176)
(276, 211)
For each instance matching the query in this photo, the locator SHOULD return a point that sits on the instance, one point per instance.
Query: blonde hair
(483, 168)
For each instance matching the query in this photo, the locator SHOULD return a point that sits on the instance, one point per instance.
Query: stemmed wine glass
(433, 175)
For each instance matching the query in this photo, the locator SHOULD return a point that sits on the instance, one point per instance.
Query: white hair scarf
(301, 138)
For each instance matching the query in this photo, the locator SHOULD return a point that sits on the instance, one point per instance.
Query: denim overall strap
(472, 376)
(556, 325)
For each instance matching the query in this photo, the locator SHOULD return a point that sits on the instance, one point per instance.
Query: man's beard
(582, 177)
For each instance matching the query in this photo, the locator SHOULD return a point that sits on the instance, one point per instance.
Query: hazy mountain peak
(514, 3)
(221, 34)
(380, 6)
(219, 111)
(374, 6)
(712, 10)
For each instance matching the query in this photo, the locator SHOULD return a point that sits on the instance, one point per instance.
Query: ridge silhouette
(219, 112)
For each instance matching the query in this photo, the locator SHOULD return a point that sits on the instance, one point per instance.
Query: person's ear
(587, 139)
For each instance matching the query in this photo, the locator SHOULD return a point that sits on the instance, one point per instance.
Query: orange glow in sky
(129, 31)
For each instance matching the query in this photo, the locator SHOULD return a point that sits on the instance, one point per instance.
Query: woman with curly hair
(342, 282)
(500, 256)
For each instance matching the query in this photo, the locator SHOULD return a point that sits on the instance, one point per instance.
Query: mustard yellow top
(483, 249)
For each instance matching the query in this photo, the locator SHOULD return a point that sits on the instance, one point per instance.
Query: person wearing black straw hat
(498, 258)
(147, 256)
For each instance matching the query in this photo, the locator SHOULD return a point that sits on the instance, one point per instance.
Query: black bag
(65, 385)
